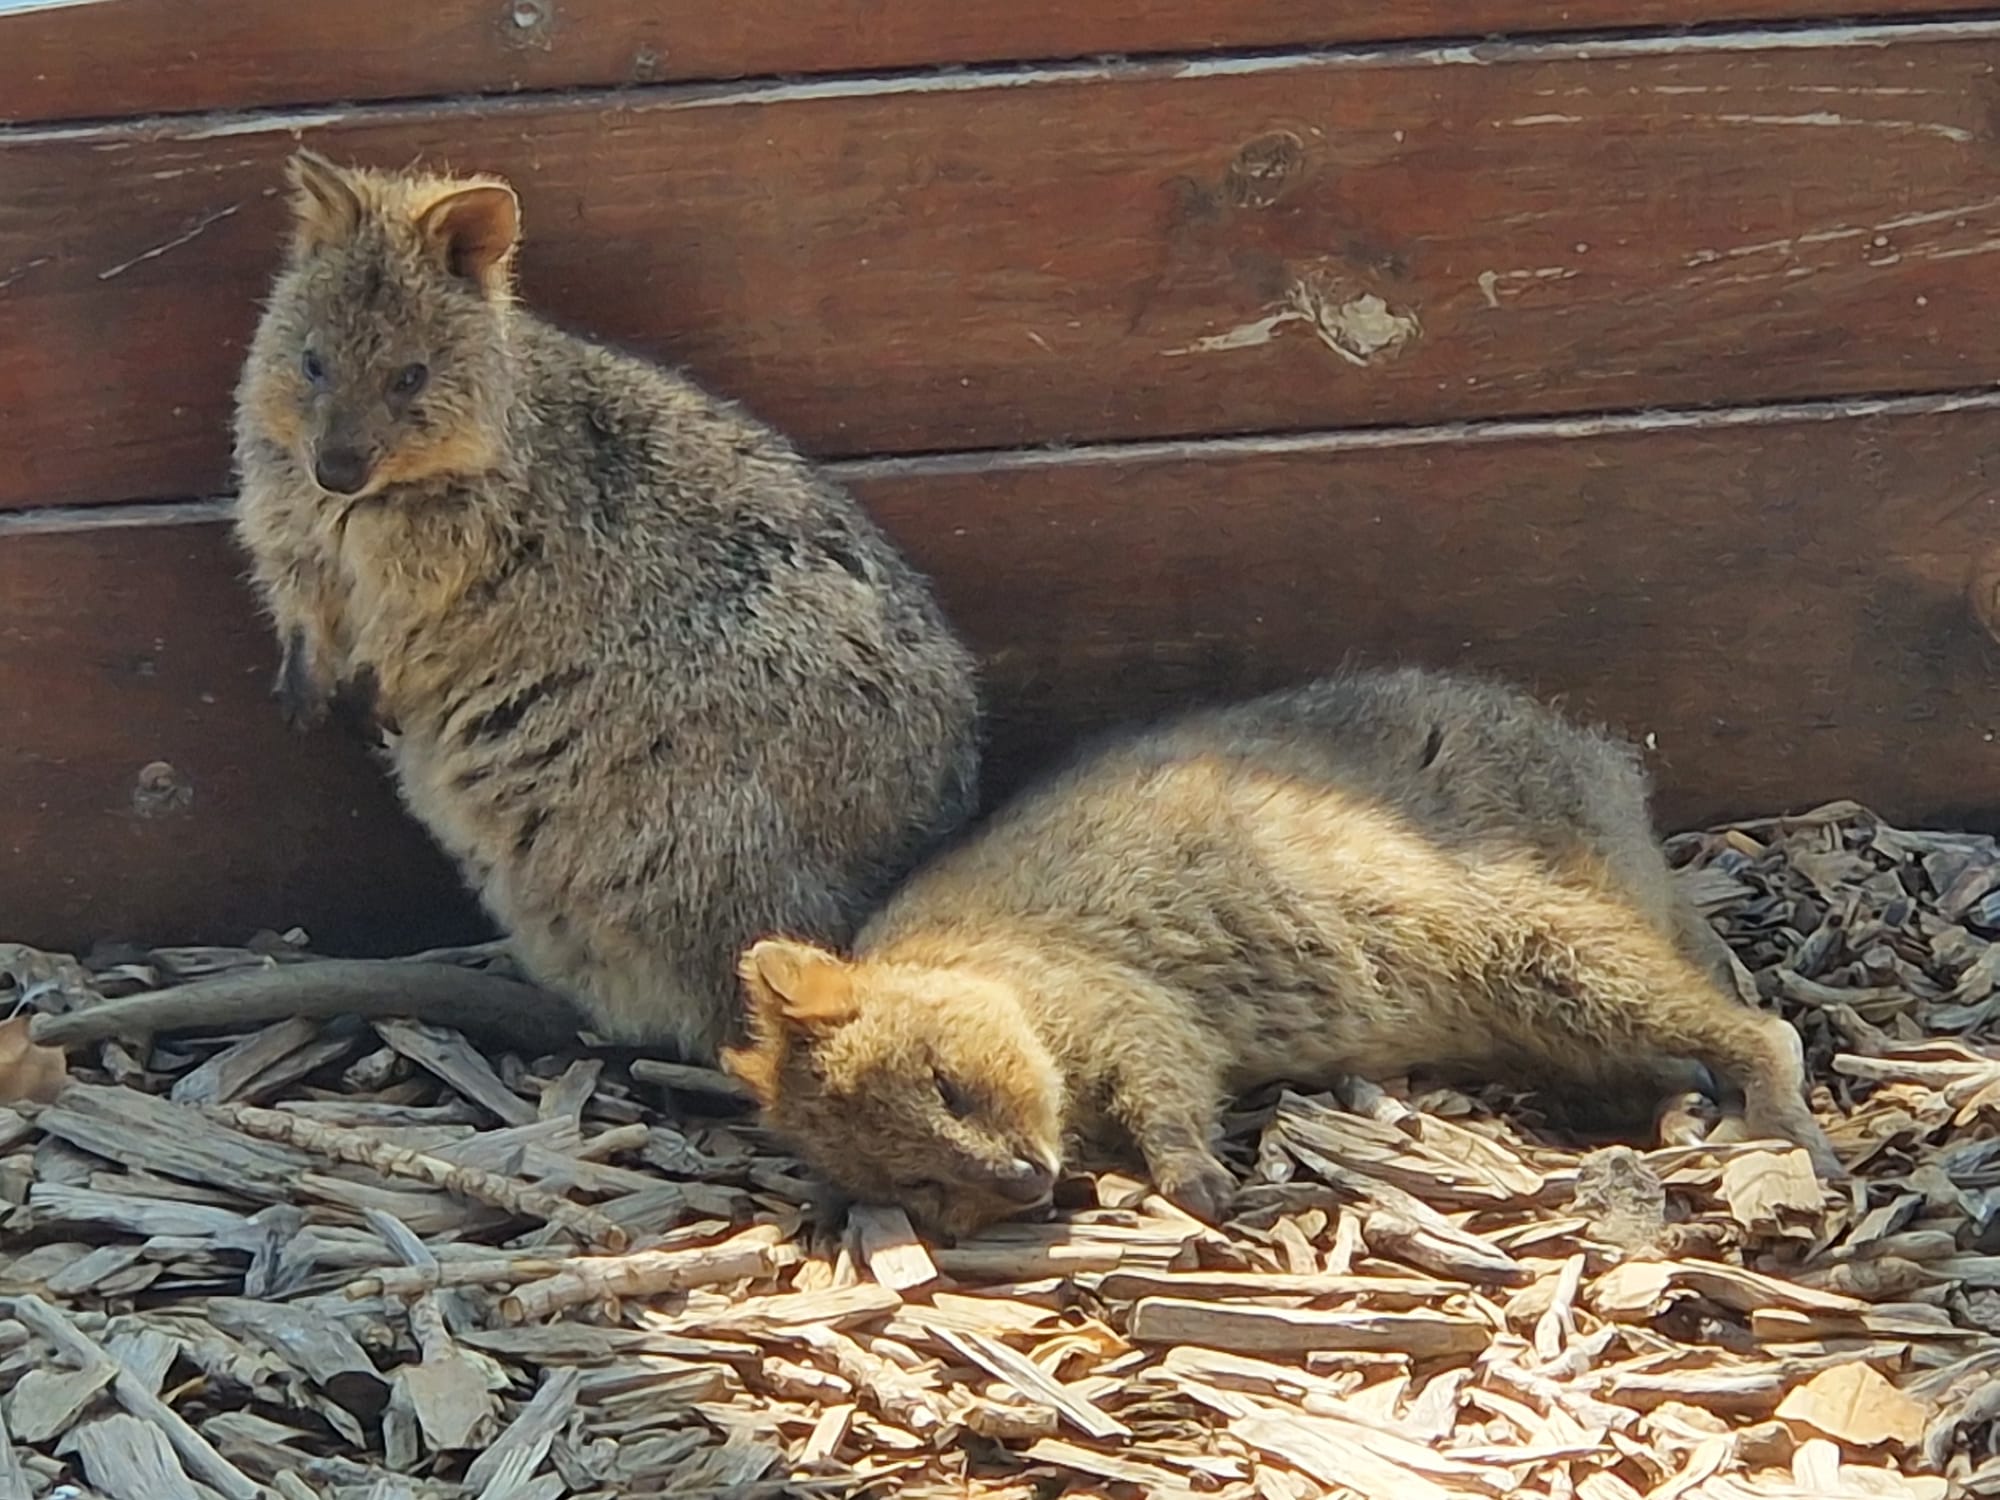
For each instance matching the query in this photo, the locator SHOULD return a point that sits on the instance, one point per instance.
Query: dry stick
(1032, 1381)
(495, 1270)
(444, 994)
(517, 1198)
(195, 1450)
(426, 1321)
(645, 1274)
(889, 1388)
(690, 1079)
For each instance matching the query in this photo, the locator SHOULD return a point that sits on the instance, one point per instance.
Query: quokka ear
(756, 1067)
(788, 983)
(325, 207)
(473, 230)
(788, 987)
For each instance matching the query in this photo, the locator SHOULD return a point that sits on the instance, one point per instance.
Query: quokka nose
(1024, 1181)
(344, 471)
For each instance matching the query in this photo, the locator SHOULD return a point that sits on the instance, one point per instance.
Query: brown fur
(653, 681)
(1369, 875)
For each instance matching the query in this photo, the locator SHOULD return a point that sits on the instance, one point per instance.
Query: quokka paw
(1831, 1168)
(1796, 1124)
(303, 701)
(356, 705)
(301, 712)
(1197, 1183)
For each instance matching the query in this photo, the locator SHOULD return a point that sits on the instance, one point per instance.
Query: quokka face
(383, 356)
(653, 681)
(937, 1071)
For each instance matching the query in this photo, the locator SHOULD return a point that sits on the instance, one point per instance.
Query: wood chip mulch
(377, 1261)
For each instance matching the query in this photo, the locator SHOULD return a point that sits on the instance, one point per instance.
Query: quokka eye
(313, 367)
(410, 379)
(957, 1102)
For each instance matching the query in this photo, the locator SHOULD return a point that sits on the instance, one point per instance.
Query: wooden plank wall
(1639, 350)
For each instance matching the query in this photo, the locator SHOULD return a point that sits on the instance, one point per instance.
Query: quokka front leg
(1169, 1102)
(304, 687)
(305, 608)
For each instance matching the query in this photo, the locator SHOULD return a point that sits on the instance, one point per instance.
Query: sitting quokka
(655, 683)
(1369, 875)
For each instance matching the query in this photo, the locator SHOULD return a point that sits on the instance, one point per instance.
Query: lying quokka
(1373, 874)
(654, 682)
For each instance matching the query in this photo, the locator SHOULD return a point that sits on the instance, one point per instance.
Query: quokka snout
(651, 679)
(1374, 874)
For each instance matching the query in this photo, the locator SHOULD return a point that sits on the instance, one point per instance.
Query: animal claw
(1199, 1184)
(1802, 1130)
(302, 703)
(300, 714)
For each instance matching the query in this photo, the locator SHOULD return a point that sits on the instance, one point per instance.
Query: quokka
(654, 682)
(1375, 874)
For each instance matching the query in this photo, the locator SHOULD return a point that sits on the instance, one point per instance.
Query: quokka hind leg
(1639, 870)
(1704, 945)
(1626, 993)
(1617, 1102)
(1763, 1056)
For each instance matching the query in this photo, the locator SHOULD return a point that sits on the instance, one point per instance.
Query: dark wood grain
(1100, 254)
(147, 788)
(1778, 604)
(130, 57)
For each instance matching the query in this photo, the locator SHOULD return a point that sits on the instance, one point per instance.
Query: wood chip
(195, 1451)
(1034, 1383)
(352, 1146)
(128, 1460)
(1768, 1190)
(1423, 1334)
(29, 1074)
(452, 1058)
(1333, 1458)
(643, 1274)
(1423, 1293)
(261, 1064)
(505, 1470)
(1852, 1403)
(45, 1402)
(1151, 1478)
(890, 1248)
(708, 1081)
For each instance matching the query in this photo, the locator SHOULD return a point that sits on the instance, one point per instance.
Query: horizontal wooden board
(128, 649)
(125, 57)
(1096, 254)
(1775, 604)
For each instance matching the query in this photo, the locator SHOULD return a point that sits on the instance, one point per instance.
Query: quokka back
(1375, 874)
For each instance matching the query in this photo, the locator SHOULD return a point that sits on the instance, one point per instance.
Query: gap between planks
(121, 514)
(1580, 46)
